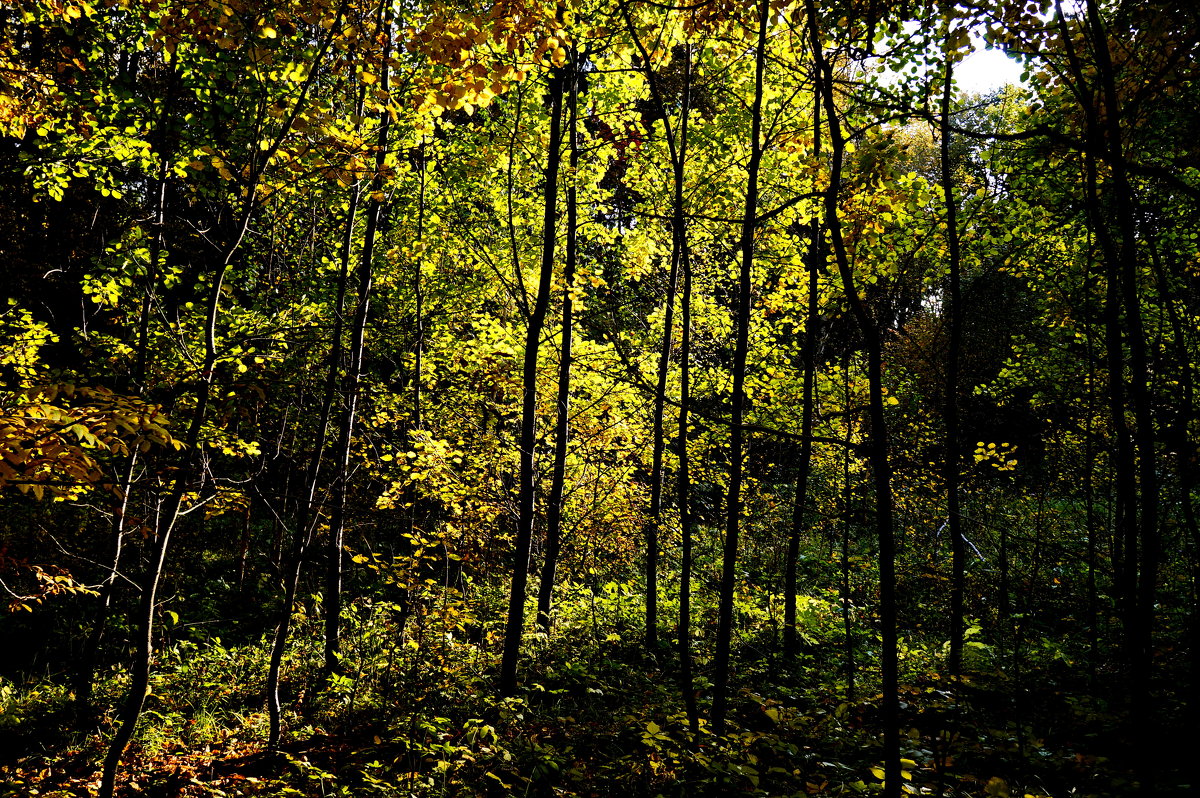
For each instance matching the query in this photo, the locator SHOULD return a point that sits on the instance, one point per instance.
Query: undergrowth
(413, 711)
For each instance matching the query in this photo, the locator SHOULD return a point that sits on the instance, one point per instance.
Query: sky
(980, 72)
(984, 70)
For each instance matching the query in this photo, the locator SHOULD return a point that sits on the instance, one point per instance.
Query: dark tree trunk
(880, 465)
(847, 514)
(1122, 256)
(737, 410)
(515, 627)
(419, 300)
(658, 445)
(684, 483)
(189, 470)
(335, 560)
(1185, 458)
(686, 527)
(953, 314)
(558, 476)
(816, 264)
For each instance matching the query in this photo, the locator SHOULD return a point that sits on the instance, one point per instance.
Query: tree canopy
(604, 397)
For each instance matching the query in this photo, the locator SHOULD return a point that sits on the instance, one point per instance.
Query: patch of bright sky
(982, 71)
(985, 70)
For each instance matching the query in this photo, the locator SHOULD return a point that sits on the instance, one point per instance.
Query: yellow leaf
(997, 787)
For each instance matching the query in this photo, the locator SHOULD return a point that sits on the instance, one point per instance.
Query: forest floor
(599, 716)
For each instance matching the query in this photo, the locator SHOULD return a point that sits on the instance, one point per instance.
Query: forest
(598, 398)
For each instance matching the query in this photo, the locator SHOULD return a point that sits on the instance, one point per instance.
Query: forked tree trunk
(558, 476)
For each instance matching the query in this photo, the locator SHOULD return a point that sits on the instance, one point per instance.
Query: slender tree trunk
(686, 525)
(86, 670)
(654, 518)
(733, 501)
(1185, 454)
(684, 484)
(880, 465)
(1123, 260)
(953, 311)
(816, 264)
(1089, 500)
(417, 421)
(847, 514)
(139, 686)
(558, 478)
(419, 301)
(1092, 518)
(292, 563)
(335, 560)
(514, 629)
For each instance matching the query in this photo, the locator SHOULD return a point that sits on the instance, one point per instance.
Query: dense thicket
(844, 421)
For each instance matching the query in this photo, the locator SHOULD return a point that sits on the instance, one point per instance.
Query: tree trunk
(514, 629)
(684, 631)
(680, 242)
(1123, 260)
(847, 514)
(816, 264)
(139, 686)
(953, 314)
(558, 476)
(733, 501)
(658, 446)
(880, 466)
(337, 521)
(193, 461)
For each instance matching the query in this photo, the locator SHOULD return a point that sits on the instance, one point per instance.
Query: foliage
(291, 286)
